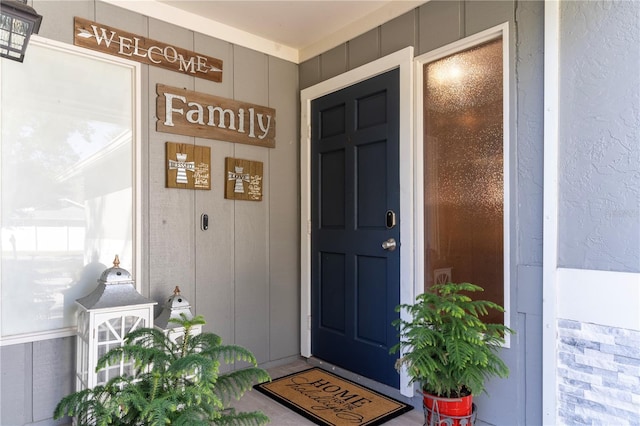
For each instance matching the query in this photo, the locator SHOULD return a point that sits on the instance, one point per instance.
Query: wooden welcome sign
(189, 113)
(120, 43)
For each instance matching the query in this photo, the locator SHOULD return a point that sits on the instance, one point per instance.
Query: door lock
(389, 245)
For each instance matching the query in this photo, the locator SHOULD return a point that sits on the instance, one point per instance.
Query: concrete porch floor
(282, 416)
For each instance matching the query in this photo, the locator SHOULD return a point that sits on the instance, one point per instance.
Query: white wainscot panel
(599, 297)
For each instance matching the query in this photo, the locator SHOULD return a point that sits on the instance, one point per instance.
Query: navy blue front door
(355, 284)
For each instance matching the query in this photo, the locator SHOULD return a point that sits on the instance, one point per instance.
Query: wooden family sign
(120, 43)
(189, 113)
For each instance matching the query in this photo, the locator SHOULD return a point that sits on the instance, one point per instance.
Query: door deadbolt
(390, 219)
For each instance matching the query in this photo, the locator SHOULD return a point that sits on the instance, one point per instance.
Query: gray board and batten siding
(243, 273)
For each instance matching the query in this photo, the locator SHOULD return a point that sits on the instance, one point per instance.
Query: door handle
(389, 245)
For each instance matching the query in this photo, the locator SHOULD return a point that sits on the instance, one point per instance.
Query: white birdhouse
(175, 306)
(105, 316)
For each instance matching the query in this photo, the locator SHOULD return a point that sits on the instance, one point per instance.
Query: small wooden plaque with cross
(243, 179)
(188, 166)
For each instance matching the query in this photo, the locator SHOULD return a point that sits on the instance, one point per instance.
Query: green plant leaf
(177, 384)
(444, 343)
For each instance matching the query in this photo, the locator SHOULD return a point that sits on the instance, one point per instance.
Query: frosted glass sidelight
(464, 170)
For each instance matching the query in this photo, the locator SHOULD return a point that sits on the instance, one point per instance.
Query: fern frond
(230, 354)
(140, 355)
(191, 417)
(151, 338)
(203, 341)
(158, 410)
(231, 418)
(192, 363)
(236, 383)
(185, 322)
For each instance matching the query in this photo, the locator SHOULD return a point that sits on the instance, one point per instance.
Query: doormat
(327, 399)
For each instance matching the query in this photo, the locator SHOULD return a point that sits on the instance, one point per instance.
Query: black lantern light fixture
(17, 22)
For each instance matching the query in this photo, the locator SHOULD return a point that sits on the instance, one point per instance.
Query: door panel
(332, 184)
(371, 273)
(371, 175)
(332, 301)
(355, 181)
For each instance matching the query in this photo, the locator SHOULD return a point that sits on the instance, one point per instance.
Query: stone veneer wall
(598, 374)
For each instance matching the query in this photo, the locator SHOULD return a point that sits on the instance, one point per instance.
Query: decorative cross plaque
(188, 166)
(243, 179)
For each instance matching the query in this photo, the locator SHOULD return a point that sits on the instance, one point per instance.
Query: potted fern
(448, 349)
(175, 383)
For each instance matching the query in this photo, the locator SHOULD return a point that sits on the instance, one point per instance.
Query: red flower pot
(437, 410)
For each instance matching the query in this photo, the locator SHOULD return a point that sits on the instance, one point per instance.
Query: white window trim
(501, 30)
(402, 60)
(137, 184)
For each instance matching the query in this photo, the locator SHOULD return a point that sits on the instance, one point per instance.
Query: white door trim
(401, 59)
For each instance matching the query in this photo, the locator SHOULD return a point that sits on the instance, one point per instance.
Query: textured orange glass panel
(463, 158)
